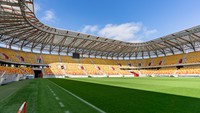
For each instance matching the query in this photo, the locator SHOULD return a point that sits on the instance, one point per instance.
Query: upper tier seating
(85, 61)
(47, 59)
(35, 58)
(11, 54)
(193, 57)
(98, 61)
(68, 59)
(173, 59)
(111, 62)
(157, 61)
(123, 62)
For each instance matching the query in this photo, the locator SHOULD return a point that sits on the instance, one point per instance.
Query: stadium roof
(19, 27)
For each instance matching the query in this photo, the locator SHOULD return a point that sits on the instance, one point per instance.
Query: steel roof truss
(14, 35)
(169, 43)
(34, 44)
(51, 48)
(32, 32)
(62, 44)
(33, 38)
(45, 42)
(80, 44)
(71, 44)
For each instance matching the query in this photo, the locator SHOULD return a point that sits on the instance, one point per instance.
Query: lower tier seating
(84, 69)
(27, 70)
(189, 70)
(10, 70)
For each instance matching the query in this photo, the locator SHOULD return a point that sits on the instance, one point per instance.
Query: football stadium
(48, 70)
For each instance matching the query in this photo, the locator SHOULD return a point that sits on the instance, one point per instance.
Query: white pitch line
(57, 98)
(67, 112)
(84, 101)
(51, 91)
(49, 87)
(61, 104)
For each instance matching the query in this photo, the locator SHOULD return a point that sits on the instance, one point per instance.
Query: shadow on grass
(114, 99)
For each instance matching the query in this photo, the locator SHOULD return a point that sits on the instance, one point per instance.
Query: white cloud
(124, 32)
(129, 32)
(148, 32)
(37, 7)
(89, 29)
(49, 16)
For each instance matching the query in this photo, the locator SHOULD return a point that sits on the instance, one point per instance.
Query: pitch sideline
(79, 98)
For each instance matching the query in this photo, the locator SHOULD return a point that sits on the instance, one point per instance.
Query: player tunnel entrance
(38, 74)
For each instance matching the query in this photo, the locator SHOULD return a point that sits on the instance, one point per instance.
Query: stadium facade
(100, 57)
(20, 28)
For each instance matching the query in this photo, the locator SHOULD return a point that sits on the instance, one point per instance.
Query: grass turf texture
(40, 99)
(113, 95)
(138, 95)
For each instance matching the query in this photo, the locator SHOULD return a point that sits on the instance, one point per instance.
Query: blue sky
(127, 20)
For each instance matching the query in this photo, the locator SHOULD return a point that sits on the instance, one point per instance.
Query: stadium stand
(27, 70)
(188, 70)
(10, 74)
(47, 59)
(158, 61)
(148, 71)
(56, 69)
(74, 69)
(193, 57)
(111, 62)
(123, 62)
(97, 66)
(91, 69)
(9, 55)
(106, 57)
(10, 70)
(98, 61)
(108, 70)
(68, 59)
(167, 71)
(174, 59)
(48, 71)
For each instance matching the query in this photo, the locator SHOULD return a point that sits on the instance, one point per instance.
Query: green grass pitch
(112, 95)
